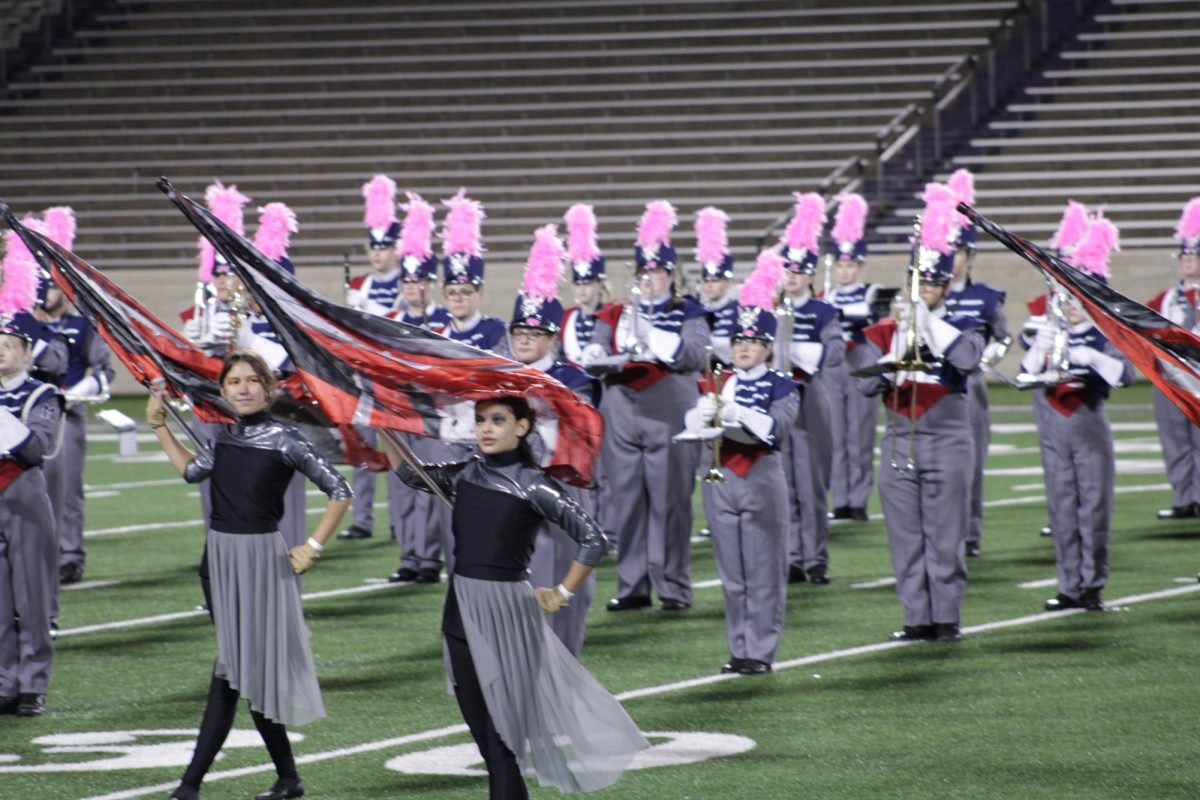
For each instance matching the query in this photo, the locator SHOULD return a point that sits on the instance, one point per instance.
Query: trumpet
(633, 321)
(911, 360)
(785, 315)
(345, 277)
(1059, 359)
(237, 314)
(714, 474)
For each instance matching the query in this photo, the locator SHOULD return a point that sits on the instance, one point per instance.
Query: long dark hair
(520, 409)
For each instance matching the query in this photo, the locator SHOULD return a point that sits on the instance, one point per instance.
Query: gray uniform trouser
(411, 513)
(748, 517)
(363, 481)
(28, 567)
(981, 433)
(926, 511)
(1079, 494)
(553, 554)
(852, 421)
(651, 479)
(69, 502)
(1180, 448)
(440, 519)
(807, 457)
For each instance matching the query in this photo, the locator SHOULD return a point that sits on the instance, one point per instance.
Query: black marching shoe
(859, 514)
(818, 576)
(1045, 531)
(841, 512)
(947, 632)
(431, 575)
(1091, 600)
(185, 792)
(751, 666)
(913, 633)
(796, 574)
(733, 665)
(283, 789)
(403, 575)
(1061, 602)
(1190, 511)
(627, 603)
(31, 705)
(70, 573)
(675, 605)
(973, 550)
(8, 706)
(356, 532)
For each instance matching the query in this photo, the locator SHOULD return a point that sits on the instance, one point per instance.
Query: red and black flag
(1165, 353)
(369, 370)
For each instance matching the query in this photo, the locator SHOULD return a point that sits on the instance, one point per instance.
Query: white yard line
(79, 587)
(190, 523)
(650, 691)
(876, 584)
(1040, 584)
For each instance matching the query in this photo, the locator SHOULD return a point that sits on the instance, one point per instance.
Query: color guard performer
(662, 340)
(1076, 368)
(750, 413)
(1180, 438)
(920, 365)
(815, 345)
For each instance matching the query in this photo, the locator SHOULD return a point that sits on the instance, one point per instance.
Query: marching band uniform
(1079, 488)
(853, 416)
(716, 269)
(748, 511)
(925, 507)
(650, 477)
(816, 345)
(1180, 438)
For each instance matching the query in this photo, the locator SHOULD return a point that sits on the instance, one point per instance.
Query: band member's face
(462, 300)
(796, 282)
(962, 263)
(714, 290)
(587, 294)
(933, 294)
(655, 282)
(14, 355)
(416, 295)
(749, 353)
(242, 389)
(530, 344)
(496, 428)
(56, 301)
(225, 284)
(846, 271)
(1074, 311)
(381, 260)
(1189, 267)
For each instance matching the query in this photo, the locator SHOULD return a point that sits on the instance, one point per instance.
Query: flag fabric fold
(1167, 354)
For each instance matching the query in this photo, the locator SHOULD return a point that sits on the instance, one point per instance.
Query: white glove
(924, 315)
(706, 408)
(991, 352)
(1082, 356)
(591, 353)
(191, 329)
(1045, 339)
(730, 414)
(222, 326)
(88, 387)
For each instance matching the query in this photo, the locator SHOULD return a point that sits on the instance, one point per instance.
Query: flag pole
(410, 458)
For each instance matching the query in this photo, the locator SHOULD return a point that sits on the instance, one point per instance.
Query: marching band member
(747, 508)
(985, 304)
(1079, 488)
(418, 269)
(1179, 437)
(30, 430)
(925, 501)
(716, 276)
(587, 278)
(852, 416)
(536, 320)
(650, 477)
(816, 345)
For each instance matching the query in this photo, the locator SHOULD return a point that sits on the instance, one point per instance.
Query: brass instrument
(634, 320)
(714, 474)
(1059, 358)
(238, 313)
(785, 315)
(200, 307)
(345, 277)
(911, 360)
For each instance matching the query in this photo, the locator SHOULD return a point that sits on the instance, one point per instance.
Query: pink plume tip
(581, 233)
(276, 224)
(416, 236)
(760, 288)
(962, 184)
(939, 220)
(544, 268)
(1099, 243)
(712, 242)
(19, 281)
(656, 224)
(1189, 221)
(1072, 227)
(380, 196)
(60, 226)
(462, 226)
(808, 221)
(849, 224)
(226, 204)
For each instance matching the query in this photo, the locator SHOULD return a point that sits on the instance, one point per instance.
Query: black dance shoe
(675, 605)
(796, 574)
(432, 575)
(841, 512)
(8, 705)
(1061, 602)
(185, 792)
(403, 575)
(913, 633)
(973, 550)
(70, 573)
(947, 632)
(283, 789)
(751, 666)
(628, 603)
(31, 705)
(356, 532)
(859, 514)
(734, 665)
(818, 576)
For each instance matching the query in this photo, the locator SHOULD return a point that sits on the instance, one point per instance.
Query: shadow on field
(1162, 533)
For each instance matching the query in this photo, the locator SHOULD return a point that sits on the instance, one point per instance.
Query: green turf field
(1070, 706)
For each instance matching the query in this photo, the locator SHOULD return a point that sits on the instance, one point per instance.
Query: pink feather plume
(60, 225)
(544, 268)
(1189, 221)
(808, 221)
(850, 222)
(416, 236)
(939, 220)
(462, 226)
(380, 196)
(581, 233)
(1072, 227)
(226, 204)
(760, 288)
(19, 281)
(276, 224)
(656, 224)
(712, 242)
(962, 184)
(1099, 243)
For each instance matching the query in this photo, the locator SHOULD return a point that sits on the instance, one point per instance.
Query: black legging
(215, 727)
(505, 781)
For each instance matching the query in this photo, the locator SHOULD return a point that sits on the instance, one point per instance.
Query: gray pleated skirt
(263, 645)
(564, 728)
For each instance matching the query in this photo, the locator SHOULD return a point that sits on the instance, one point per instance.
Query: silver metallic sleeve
(302, 456)
(556, 506)
(199, 468)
